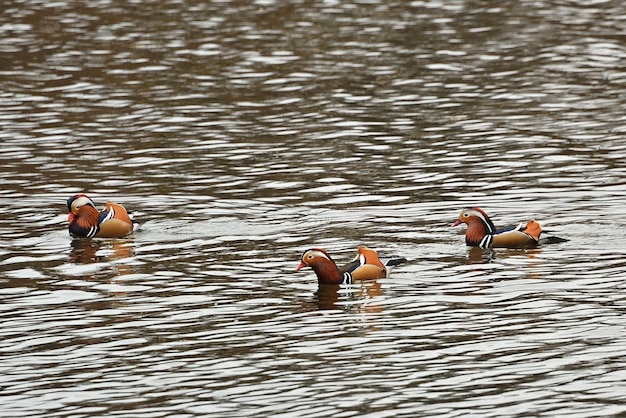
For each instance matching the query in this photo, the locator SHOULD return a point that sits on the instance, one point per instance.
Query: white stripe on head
(81, 201)
(314, 252)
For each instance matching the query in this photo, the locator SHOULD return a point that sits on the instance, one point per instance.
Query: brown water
(244, 133)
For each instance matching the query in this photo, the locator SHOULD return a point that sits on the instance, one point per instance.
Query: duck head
(478, 224)
(314, 258)
(76, 202)
(322, 264)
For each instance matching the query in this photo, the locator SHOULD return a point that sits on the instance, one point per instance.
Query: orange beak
(457, 223)
(301, 266)
(70, 216)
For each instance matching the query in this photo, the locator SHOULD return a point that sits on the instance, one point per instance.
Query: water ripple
(242, 134)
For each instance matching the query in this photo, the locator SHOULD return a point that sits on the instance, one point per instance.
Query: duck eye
(310, 256)
(466, 215)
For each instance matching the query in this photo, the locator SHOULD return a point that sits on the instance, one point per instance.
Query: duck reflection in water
(476, 255)
(89, 251)
(84, 251)
(509, 256)
(338, 297)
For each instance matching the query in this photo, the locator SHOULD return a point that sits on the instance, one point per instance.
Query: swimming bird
(85, 221)
(482, 233)
(366, 266)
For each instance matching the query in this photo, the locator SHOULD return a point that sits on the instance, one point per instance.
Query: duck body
(482, 233)
(365, 266)
(85, 221)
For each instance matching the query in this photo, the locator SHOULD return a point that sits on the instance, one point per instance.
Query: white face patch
(311, 254)
(475, 213)
(81, 201)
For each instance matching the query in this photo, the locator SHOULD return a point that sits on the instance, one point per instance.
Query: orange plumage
(533, 229)
(482, 233)
(365, 266)
(85, 221)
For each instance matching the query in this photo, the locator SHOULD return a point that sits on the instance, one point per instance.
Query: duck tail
(551, 239)
(393, 261)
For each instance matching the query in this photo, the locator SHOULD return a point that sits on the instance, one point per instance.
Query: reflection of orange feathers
(533, 229)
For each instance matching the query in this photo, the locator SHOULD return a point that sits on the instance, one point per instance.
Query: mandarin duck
(482, 233)
(85, 221)
(365, 266)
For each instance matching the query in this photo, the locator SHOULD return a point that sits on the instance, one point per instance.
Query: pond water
(243, 133)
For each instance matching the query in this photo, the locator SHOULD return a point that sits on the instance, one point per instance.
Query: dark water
(244, 133)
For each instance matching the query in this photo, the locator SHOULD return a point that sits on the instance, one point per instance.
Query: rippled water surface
(243, 133)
